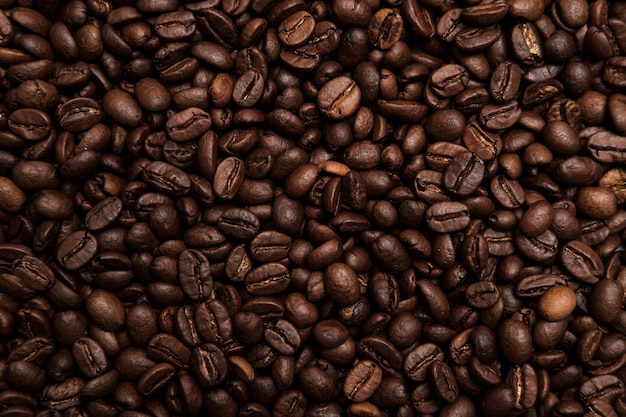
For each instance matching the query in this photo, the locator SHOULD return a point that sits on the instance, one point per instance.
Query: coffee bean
(12, 197)
(33, 273)
(596, 202)
(557, 303)
(283, 336)
(194, 274)
(106, 310)
(229, 175)
(339, 98)
(515, 339)
(605, 299)
(90, 357)
(239, 223)
(385, 28)
(444, 382)
(77, 249)
(362, 381)
(267, 279)
(464, 174)
(418, 362)
(209, 364)
(122, 107)
(342, 284)
(445, 217)
(188, 124)
(582, 262)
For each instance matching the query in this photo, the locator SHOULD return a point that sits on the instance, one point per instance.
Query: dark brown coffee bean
(194, 274)
(248, 89)
(30, 124)
(339, 98)
(106, 310)
(152, 95)
(90, 357)
(464, 174)
(449, 80)
(188, 124)
(505, 81)
(418, 362)
(485, 144)
(296, 29)
(385, 28)
(228, 177)
(444, 382)
(239, 223)
(283, 336)
(156, 378)
(290, 403)
(167, 348)
(537, 218)
(33, 273)
(342, 284)
(209, 365)
(528, 46)
(362, 381)
(582, 262)
(122, 107)
(76, 250)
(605, 300)
(104, 214)
(445, 217)
(267, 279)
(482, 295)
(515, 341)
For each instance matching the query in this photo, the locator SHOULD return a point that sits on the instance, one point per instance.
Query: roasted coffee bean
(515, 341)
(445, 217)
(418, 362)
(209, 365)
(239, 223)
(295, 30)
(605, 300)
(362, 381)
(90, 357)
(482, 295)
(104, 214)
(228, 177)
(385, 28)
(167, 348)
(582, 262)
(330, 333)
(449, 80)
(194, 274)
(105, 309)
(283, 336)
(76, 250)
(339, 98)
(444, 382)
(155, 378)
(464, 174)
(485, 144)
(536, 219)
(267, 279)
(33, 273)
(557, 303)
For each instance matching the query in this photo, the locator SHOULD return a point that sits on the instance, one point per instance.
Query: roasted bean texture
(307, 208)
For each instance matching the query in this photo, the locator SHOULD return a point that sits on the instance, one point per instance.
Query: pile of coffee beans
(312, 208)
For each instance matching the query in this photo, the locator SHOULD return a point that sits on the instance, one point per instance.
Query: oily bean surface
(312, 208)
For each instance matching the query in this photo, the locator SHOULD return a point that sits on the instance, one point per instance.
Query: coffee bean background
(307, 208)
